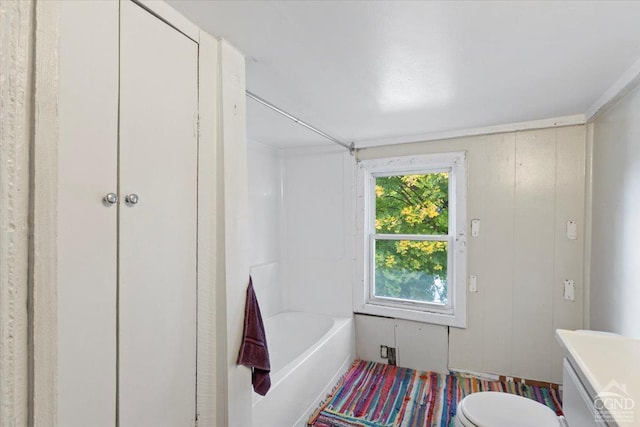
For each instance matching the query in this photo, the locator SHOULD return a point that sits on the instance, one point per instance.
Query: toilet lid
(495, 409)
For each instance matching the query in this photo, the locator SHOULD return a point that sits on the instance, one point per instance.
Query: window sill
(454, 320)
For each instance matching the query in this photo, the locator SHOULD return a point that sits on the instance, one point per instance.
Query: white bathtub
(309, 352)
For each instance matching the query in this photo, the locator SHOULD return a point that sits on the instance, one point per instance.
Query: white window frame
(454, 312)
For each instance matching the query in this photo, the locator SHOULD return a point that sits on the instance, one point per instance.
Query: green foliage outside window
(412, 269)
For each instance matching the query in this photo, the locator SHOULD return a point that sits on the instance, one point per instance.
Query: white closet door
(157, 271)
(87, 229)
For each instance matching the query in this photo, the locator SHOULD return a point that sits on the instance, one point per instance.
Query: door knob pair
(112, 199)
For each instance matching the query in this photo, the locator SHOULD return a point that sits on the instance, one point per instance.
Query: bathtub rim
(339, 322)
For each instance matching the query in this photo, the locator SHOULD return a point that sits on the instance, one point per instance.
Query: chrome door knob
(131, 199)
(110, 199)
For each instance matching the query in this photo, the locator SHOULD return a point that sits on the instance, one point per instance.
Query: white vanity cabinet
(577, 403)
(601, 379)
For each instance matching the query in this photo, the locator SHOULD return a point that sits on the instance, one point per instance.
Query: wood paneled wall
(524, 187)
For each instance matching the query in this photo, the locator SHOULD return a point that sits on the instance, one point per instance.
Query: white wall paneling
(534, 238)
(418, 345)
(476, 158)
(523, 187)
(615, 228)
(371, 333)
(422, 346)
(497, 213)
(568, 254)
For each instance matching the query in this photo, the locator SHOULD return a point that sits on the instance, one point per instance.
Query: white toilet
(496, 409)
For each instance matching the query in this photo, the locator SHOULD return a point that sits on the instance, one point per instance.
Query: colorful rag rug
(377, 395)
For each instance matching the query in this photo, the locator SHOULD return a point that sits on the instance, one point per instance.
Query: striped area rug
(377, 395)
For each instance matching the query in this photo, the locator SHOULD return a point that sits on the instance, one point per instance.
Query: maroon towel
(253, 351)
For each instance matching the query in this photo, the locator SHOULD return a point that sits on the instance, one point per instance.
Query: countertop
(606, 364)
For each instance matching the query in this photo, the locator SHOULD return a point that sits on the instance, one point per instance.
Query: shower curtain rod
(350, 147)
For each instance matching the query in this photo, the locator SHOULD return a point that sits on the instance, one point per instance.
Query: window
(412, 214)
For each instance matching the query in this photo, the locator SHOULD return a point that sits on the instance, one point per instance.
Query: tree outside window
(411, 242)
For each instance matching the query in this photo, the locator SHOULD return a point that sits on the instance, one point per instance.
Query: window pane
(412, 204)
(412, 270)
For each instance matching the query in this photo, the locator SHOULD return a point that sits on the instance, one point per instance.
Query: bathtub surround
(616, 232)
(296, 266)
(302, 273)
(319, 248)
(266, 226)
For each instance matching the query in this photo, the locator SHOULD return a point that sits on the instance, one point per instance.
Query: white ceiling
(363, 70)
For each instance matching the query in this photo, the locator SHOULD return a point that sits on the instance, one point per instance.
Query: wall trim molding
(236, 393)
(627, 82)
(208, 376)
(171, 17)
(554, 122)
(43, 245)
(16, 112)
(588, 229)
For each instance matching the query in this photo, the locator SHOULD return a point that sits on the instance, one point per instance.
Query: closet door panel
(157, 281)
(87, 229)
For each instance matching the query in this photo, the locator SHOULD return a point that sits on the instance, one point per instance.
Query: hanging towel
(253, 351)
